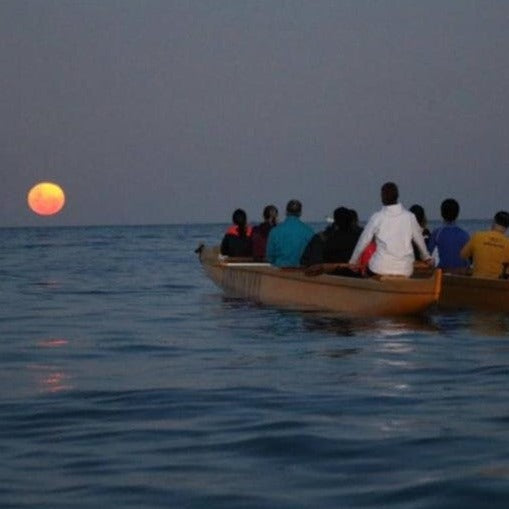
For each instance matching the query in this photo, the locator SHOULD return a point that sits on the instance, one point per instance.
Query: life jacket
(234, 230)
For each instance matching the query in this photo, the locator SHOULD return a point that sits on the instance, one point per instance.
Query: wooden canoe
(291, 288)
(469, 292)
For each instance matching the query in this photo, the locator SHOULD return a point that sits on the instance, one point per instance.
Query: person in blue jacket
(288, 240)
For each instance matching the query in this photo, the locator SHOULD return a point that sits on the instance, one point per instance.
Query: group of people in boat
(390, 242)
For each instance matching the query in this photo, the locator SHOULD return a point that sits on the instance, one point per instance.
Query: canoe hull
(291, 288)
(474, 293)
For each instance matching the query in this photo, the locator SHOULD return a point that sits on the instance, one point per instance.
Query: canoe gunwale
(398, 284)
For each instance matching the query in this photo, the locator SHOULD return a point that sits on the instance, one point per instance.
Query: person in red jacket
(237, 239)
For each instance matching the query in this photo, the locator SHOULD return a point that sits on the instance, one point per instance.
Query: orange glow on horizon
(46, 198)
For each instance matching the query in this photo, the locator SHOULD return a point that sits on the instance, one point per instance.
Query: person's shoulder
(476, 236)
(231, 230)
(275, 229)
(464, 233)
(308, 229)
(299, 223)
(409, 215)
(256, 229)
(317, 237)
(461, 230)
(376, 216)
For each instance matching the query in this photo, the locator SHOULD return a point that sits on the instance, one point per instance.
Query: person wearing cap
(393, 229)
(287, 240)
(489, 249)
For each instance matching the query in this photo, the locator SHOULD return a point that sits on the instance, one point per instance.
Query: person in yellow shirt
(489, 250)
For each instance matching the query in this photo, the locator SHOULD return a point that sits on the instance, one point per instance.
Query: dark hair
(418, 212)
(343, 218)
(269, 211)
(294, 208)
(353, 216)
(239, 218)
(502, 218)
(390, 193)
(450, 209)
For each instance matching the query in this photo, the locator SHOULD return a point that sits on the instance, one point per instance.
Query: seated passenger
(287, 240)
(449, 238)
(336, 243)
(261, 232)
(392, 228)
(489, 250)
(237, 239)
(420, 215)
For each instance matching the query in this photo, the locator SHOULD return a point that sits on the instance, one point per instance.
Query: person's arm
(365, 238)
(432, 241)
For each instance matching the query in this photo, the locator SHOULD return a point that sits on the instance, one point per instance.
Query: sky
(162, 111)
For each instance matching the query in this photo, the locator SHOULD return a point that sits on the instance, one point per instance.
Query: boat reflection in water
(380, 327)
(476, 322)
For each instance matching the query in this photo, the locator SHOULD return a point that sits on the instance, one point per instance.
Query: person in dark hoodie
(336, 243)
(237, 239)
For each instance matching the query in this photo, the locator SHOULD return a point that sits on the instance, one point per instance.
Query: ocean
(128, 380)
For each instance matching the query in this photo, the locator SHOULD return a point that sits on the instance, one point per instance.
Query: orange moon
(46, 198)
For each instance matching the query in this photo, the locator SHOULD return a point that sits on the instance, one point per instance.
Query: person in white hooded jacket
(392, 228)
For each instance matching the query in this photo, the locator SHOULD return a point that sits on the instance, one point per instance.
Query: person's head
(342, 218)
(270, 214)
(450, 210)
(294, 208)
(501, 219)
(354, 218)
(418, 212)
(390, 193)
(239, 219)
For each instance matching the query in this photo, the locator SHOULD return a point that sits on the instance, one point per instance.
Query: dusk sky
(155, 112)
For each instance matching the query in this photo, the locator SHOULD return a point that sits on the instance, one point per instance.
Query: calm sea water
(128, 380)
